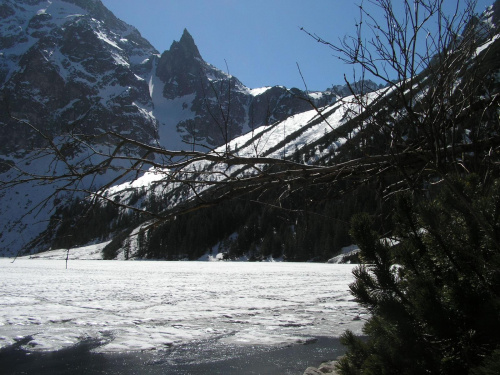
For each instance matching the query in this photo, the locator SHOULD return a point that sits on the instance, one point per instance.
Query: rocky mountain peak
(187, 45)
(180, 67)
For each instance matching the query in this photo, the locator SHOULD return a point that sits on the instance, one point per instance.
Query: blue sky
(260, 40)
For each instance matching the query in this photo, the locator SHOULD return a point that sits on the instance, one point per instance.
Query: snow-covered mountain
(68, 61)
(71, 66)
(206, 106)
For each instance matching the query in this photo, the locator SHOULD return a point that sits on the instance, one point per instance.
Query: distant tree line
(306, 226)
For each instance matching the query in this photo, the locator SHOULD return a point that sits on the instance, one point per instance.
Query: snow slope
(90, 252)
(279, 140)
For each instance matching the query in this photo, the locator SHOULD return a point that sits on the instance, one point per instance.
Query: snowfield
(157, 305)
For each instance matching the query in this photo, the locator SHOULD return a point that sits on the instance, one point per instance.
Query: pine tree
(434, 297)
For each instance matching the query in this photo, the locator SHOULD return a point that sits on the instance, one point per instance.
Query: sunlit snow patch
(147, 179)
(258, 91)
(91, 252)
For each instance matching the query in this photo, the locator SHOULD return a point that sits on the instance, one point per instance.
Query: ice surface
(147, 305)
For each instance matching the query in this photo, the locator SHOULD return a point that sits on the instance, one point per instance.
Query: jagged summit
(180, 67)
(187, 45)
(196, 85)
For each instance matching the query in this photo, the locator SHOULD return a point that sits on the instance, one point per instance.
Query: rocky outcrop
(349, 255)
(183, 70)
(355, 87)
(326, 368)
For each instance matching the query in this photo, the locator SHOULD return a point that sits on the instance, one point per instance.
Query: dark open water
(205, 357)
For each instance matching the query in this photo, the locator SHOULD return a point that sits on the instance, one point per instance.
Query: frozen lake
(212, 309)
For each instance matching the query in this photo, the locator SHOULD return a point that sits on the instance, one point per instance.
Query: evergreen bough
(433, 289)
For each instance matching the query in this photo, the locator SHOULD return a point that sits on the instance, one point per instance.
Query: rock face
(357, 88)
(71, 62)
(65, 67)
(181, 67)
